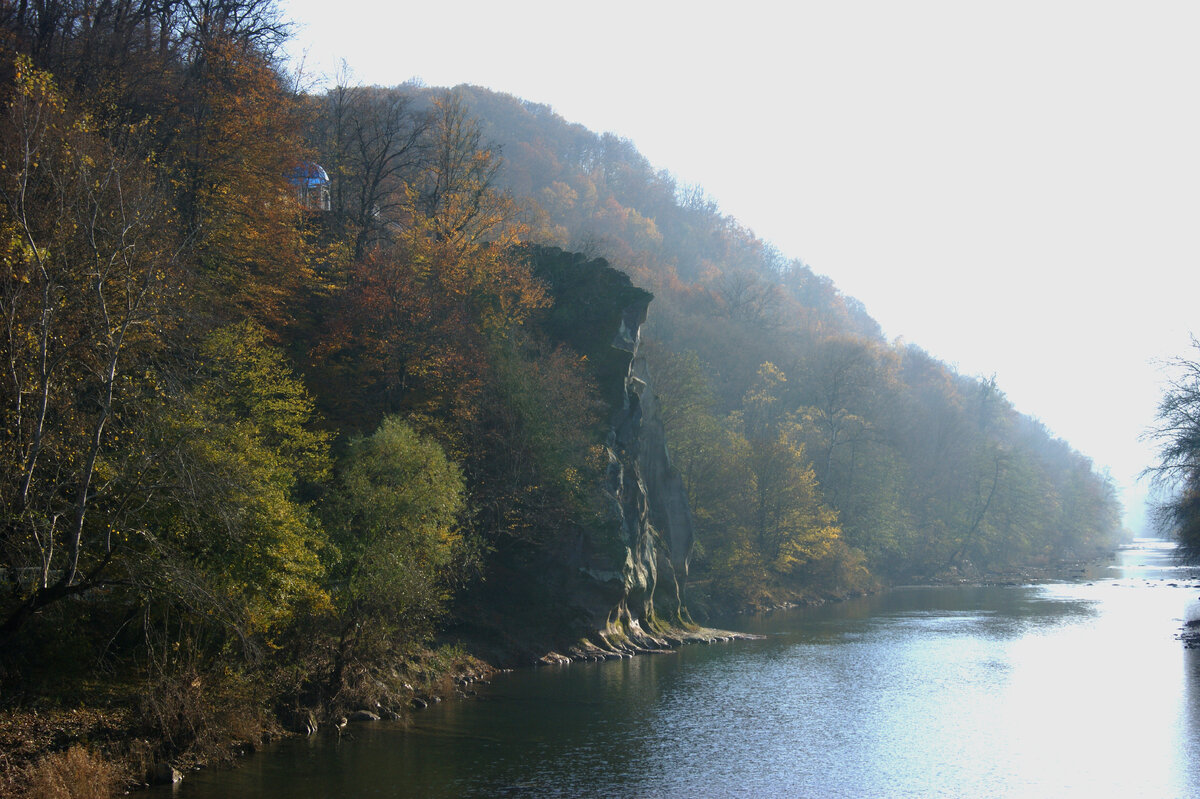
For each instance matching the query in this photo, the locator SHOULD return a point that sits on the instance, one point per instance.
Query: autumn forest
(308, 396)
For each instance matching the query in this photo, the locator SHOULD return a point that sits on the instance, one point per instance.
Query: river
(1076, 688)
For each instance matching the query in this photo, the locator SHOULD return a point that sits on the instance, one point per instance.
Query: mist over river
(1065, 689)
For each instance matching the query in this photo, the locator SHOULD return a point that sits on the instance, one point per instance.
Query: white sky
(1010, 185)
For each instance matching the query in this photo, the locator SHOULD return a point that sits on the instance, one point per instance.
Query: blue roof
(308, 174)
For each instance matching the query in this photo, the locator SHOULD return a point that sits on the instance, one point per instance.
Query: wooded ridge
(308, 397)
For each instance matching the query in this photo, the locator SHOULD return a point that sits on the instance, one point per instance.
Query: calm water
(1072, 689)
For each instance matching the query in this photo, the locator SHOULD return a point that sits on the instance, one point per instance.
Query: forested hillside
(810, 446)
(298, 386)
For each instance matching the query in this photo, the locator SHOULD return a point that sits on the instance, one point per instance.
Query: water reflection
(1069, 689)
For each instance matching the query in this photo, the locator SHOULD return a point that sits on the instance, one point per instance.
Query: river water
(1076, 688)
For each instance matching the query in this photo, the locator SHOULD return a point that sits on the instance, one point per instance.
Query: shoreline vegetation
(98, 744)
(53, 749)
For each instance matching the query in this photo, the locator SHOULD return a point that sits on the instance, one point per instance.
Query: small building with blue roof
(311, 184)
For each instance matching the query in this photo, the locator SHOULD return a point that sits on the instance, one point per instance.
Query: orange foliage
(240, 138)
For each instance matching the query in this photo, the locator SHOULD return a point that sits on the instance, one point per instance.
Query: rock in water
(164, 773)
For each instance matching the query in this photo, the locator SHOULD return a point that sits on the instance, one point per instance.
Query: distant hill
(928, 471)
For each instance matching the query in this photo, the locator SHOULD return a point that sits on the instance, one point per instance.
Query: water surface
(1067, 689)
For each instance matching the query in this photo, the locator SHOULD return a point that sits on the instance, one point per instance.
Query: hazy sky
(1013, 186)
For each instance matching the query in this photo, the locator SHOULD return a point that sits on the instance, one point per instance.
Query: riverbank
(614, 646)
(1190, 635)
(999, 672)
(102, 740)
(98, 744)
(1073, 569)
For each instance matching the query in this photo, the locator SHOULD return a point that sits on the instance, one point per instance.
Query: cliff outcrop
(649, 504)
(614, 585)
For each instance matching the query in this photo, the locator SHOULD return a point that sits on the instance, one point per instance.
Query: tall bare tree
(1177, 474)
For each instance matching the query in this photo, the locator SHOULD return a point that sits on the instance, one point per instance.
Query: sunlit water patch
(1068, 689)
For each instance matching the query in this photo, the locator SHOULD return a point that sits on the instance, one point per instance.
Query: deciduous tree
(1177, 474)
(395, 517)
(87, 273)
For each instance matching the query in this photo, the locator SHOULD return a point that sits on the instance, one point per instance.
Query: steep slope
(817, 457)
(929, 472)
(619, 583)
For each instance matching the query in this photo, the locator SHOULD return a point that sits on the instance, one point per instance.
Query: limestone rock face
(638, 568)
(649, 499)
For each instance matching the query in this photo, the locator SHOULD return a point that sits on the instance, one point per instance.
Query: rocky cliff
(649, 504)
(614, 584)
